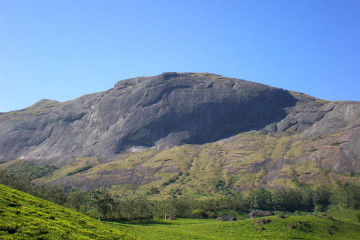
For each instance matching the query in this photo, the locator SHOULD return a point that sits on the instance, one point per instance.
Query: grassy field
(293, 227)
(23, 216)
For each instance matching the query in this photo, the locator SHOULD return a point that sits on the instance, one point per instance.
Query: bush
(357, 216)
(79, 170)
(199, 213)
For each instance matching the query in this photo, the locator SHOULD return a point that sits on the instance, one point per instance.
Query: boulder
(226, 218)
(262, 221)
(261, 229)
(258, 213)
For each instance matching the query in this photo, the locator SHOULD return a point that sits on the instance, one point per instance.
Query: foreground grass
(23, 216)
(293, 227)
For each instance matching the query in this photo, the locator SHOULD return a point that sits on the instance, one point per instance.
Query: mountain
(186, 130)
(162, 111)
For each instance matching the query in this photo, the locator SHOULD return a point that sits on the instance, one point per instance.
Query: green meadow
(292, 227)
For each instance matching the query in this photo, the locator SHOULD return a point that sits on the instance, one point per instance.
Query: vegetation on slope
(27, 170)
(39, 108)
(23, 216)
(128, 204)
(237, 164)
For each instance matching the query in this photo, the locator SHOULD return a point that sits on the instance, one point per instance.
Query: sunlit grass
(293, 227)
(23, 216)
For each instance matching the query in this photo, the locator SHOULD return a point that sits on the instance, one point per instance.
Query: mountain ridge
(139, 101)
(133, 124)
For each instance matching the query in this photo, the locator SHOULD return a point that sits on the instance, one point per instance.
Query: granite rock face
(163, 111)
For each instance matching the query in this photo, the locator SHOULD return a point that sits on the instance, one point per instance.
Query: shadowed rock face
(173, 109)
(161, 111)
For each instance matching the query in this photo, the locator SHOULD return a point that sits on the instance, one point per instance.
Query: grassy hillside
(41, 107)
(293, 227)
(239, 163)
(23, 216)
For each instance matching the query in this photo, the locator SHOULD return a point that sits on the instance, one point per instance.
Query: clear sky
(62, 49)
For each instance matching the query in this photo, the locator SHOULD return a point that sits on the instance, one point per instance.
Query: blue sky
(51, 49)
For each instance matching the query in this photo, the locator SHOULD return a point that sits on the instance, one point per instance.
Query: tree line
(101, 204)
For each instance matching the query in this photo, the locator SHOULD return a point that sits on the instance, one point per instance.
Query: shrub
(357, 216)
(199, 213)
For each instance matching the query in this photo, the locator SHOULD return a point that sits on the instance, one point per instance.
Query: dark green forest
(102, 204)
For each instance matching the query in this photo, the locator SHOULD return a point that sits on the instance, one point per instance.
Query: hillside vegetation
(23, 216)
(237, 164)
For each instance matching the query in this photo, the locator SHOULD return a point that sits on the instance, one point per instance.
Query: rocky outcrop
(262, 221)
(259, 213)
(226, 218)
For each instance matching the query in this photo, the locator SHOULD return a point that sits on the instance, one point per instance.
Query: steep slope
(23, 216)
(198, 132)
(242, 162)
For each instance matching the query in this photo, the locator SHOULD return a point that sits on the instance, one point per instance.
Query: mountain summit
(161, 111)
(173, 109)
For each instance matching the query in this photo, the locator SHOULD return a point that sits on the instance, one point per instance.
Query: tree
(260, 198)
(307, 198)
(103, 202)
(78, 200)
(199, 213)
(346, 195)
(322, 196)
(286, 199)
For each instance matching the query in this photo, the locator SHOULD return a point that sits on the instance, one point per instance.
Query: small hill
(23, 216)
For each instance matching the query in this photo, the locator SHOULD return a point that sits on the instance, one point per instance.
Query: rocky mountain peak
(158, 112)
